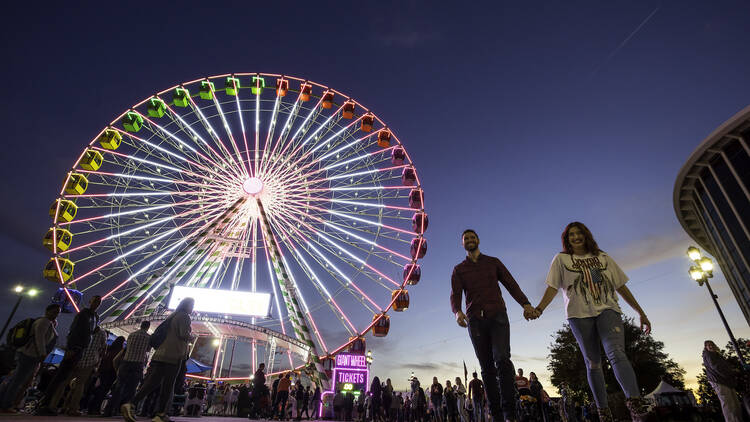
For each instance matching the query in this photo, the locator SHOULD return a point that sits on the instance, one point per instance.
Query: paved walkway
(22, 417)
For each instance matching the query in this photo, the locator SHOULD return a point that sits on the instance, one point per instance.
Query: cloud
(650, 250)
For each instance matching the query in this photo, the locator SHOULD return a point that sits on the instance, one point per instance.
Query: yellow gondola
(91, 160)
(64, 239)
(68, 210)
(77, 184)
(66, 269)
(110, 139)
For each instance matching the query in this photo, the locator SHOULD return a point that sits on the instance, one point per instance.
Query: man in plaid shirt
(90, 359)
(130, 370)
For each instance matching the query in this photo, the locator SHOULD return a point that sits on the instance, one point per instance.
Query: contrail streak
(625, 41)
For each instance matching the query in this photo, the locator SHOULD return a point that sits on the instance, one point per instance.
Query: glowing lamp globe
(706, 264)
(693, 253)
(252, 186)
(695, 273)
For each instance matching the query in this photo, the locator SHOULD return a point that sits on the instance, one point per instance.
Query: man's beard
(471, 248)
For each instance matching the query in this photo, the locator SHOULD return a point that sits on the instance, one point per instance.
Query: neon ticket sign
(350, 361)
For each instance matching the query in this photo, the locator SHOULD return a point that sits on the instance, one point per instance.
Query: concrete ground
(23, 417)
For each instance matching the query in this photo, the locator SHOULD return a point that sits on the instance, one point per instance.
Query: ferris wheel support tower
(289, 292)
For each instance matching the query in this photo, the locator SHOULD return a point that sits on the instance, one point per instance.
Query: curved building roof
(712, 146)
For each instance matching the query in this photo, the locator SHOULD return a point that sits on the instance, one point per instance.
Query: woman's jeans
(607, 329)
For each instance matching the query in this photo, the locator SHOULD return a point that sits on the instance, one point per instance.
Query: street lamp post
(701, 272)
(369, 358)
(19, 290)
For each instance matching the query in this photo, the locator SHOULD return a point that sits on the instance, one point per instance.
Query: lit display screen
(227, 302)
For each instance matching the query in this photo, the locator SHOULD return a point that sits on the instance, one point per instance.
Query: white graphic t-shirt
(589, 283)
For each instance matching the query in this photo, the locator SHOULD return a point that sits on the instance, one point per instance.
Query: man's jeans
(129, 375)
(491, 339)
(606, 328)
(25, 368)
(478, 410)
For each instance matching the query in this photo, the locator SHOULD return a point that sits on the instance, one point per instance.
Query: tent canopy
(663, 388)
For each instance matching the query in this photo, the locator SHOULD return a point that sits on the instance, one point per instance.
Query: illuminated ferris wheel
(255, 183)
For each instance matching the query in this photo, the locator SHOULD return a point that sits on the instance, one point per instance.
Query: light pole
(19, 290)
(369, 358)
(701, 272)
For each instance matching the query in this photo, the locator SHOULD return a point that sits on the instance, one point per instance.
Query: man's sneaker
(161, 417)
(128, 412)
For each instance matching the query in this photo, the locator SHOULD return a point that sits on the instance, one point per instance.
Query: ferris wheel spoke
(137, 248)
(140, 225)
(285, 130)
(231, 161)
(205, 146)
(292, 244)
(170, 138)
(228, 130)
(166, 153)
(343, 133)
(378, 275)
(267, 147)
(299, 133)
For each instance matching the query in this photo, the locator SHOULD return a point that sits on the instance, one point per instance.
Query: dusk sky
(519, 116)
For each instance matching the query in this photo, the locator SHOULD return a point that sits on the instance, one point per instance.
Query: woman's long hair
(186, 305)
(589, 242)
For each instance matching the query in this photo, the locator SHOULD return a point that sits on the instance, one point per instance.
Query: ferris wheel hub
(253, 186)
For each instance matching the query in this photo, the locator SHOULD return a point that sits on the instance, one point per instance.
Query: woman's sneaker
(128, 412)
(605, 415)
(639, 409)
(161, 417)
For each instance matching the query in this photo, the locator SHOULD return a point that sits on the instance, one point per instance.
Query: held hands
(645, 323)
(461, 319)
(531, 313)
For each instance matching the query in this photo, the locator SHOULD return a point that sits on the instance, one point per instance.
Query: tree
(650, 363)
(706, 394)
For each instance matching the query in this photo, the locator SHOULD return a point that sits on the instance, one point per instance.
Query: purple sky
(519, 117)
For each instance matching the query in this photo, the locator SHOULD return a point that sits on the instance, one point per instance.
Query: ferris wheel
(249, 183)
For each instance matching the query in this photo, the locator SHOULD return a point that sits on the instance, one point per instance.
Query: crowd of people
(91, 371)
(95, 378)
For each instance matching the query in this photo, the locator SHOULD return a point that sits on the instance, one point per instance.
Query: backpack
(160, 334)
(20, 334)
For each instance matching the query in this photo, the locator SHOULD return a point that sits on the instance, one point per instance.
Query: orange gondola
(382, 325)
(347, 111)
(304, 92)
(367, 122)
(384, 138)
(401, 301)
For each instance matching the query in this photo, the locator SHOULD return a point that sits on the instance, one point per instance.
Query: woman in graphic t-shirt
(590, 280)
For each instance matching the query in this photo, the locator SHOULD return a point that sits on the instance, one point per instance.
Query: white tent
(666, 395)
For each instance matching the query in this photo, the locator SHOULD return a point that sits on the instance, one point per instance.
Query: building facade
(712, 201)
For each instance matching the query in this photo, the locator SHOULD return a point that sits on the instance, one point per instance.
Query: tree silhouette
(650, 363)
